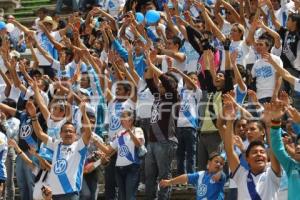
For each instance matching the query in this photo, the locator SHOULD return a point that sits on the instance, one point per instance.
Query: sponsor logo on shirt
(60, 166)
(115, 123)
(26, 131)
(202, 189)
(123, 150)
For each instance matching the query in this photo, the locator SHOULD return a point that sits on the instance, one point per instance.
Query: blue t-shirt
(206, 187)
(26, 133)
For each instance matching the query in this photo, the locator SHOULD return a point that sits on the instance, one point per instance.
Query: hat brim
(53, 23)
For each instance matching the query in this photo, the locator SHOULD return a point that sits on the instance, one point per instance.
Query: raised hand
(274, 110)
(31, 109)
(229, 112)
(294, 114)
(284, 98)
(252, 96)
(82, 106)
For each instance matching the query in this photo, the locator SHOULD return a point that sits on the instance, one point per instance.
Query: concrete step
(28, 3)
(34, 8)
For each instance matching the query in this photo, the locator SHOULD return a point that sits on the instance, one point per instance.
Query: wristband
(19, 153)
(33, 119)
(276, 122)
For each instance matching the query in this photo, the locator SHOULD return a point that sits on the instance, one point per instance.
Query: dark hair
(213, 155)
(268, 40)
(67, 123)
(254, 144)
(261, 125)
(10, 102)
(126, 86)
(178, 41)
(35, 72)
(42, 10)
(295, 17)
(237, 121)
(192, 73)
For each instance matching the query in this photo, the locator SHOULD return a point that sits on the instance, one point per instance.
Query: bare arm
(87, 125)
(7, 82)
(35, 123)
(232, 157)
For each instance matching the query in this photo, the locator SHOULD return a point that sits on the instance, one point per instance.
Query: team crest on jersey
(202, 189)
(185, 106)
(115, 123)
(60, 166)
(26, 131)
(123, 150)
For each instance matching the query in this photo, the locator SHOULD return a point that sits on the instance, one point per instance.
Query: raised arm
(87, 133)
(39, 99)
(233, 159)
(8, 109)
(232, 11)
(185, 77)
(12, 143)
(237, 75)
(7, 82)
(209, 22)
(35, 123)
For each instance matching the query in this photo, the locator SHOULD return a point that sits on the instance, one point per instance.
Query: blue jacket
(291, 167)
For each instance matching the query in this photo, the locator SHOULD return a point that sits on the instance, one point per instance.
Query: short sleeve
(239, 174)
(114, 143)
(56, 65)
(56, 36)
(138, 132)
(29, 93)
(274, 178)
(297, 85)
(52, 143)
(253, 71)
(193, 178)
(80, 144)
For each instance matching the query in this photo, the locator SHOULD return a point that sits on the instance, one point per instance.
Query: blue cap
(2, 25)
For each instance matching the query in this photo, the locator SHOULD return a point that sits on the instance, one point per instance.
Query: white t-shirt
(264, 73)
(115, 109)
(242, 48)
(30, 92)
(14, 93)
(114, 6)
(266, 184)
(226, 29)
(3, 153)
(56, 35)
(127, 154)
(145, 100)
(67, 166)
(179, 65)
(188, 112)
(297, 85)
(53, 131)
(191, 57)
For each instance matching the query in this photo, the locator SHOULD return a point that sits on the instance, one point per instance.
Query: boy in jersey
(187, 123)
(261, 181)
(66, 173)
(209, 184)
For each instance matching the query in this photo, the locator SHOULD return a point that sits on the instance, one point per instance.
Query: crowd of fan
(131, 87)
